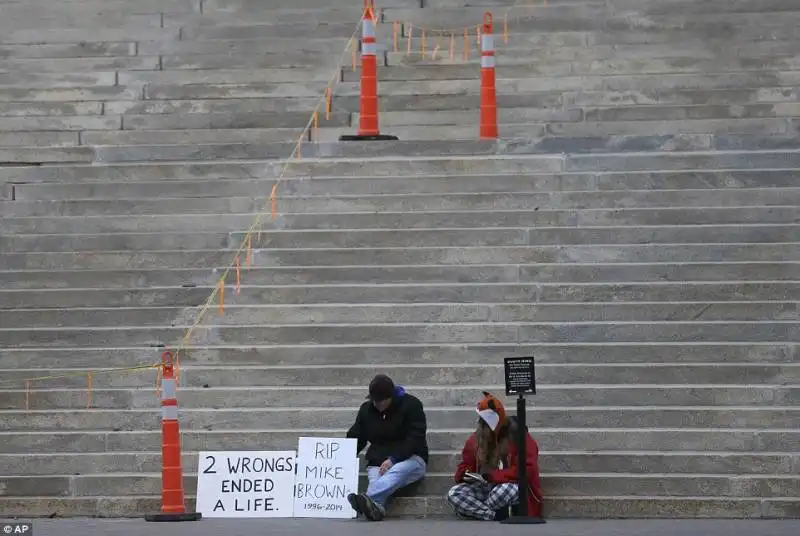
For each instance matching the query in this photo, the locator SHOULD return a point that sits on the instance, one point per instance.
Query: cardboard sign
(245, 483)
(327, 471)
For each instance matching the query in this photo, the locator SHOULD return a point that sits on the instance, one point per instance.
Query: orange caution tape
(328, 103)
(422, 45)
(353, 54)
(238, 276)
(273, 199)
(249, 257)
(221, 296)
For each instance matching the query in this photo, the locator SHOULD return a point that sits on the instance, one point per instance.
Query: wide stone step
(235, 120)
(456, 417)
(244, 90)
(554, 485)
(208, 259)
(312, 49)
(60, 96)
(552, 133)
(257, 397)
(432, 237)
(294, 376)
(435, 506)
(604, 439)
(404, 313)
(651, 150)
(23, 109)
(421, 165)
(523, 201)
(745, 100)
(573, 46)
(72, 65)
(419, 332)
(440, 462)
(494, 273)
(627, 82)
(32, 139)
(89, 19)
(250, 30)
(393, 238)
(240, 5)
(306, 59)
(469, 184)
(44, 155)
(284, 105)
(182, 137)
(97, 34)
(442, 68)
(417, 293)
(282, 16)
(70, 50)
(40, 361)
(74, 123)
(33, 7)
(225, 76)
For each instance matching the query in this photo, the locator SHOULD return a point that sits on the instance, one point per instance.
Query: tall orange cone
(368, 106)
(488, 127)
(172, 499)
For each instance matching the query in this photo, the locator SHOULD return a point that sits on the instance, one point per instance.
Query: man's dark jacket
(396, 434)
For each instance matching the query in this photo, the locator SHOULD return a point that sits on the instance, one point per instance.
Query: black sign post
(521, 380)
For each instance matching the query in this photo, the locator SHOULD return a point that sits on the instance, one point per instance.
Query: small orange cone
(172, 499)
(488, 127)
(368, 129)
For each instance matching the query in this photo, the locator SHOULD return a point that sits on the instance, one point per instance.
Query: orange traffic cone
(368, 105)
(488, 127)
(172, 508)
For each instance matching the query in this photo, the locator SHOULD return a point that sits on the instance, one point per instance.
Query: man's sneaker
(353, 500)
(369, 508)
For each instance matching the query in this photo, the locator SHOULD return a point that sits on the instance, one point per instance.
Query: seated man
(394, 424)
(487, 475)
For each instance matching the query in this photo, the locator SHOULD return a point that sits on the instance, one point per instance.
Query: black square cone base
(173, 518)
(373, 137)
(523, 520)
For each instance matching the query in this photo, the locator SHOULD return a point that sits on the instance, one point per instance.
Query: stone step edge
(435, 507)
(404, 305)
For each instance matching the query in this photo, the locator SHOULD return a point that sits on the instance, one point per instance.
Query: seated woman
(487, 475)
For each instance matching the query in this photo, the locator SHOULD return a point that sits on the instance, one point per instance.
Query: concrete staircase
(637, 230)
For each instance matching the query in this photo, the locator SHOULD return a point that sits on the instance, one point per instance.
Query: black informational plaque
(520, 376)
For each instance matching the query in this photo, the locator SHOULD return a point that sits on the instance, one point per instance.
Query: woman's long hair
(491, 446)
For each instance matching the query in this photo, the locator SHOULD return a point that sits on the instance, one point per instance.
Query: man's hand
(385, 466)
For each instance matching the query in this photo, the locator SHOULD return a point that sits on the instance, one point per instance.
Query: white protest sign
(327, 471)
(246, 483)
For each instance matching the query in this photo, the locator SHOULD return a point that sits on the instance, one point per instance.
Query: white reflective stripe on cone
(369, 28)
(487, 42)
(168, 389)
(369, 49)
(487, 62)
(169, 413)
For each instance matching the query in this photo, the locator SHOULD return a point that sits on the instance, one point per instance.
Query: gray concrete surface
(434, 527)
